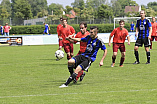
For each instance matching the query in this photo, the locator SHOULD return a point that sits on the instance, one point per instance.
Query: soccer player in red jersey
(154, 31)
(120, 35)
(83, 33)
(60, 36)
(65, 31)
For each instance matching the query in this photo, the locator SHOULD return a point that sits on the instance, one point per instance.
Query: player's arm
(150, 32)
(112, 33)
(109, 44)
(128, 38)
(136, 34)
(103, 57)
(75, 39)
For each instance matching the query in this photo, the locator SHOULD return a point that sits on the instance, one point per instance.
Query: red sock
(122, 60)
(113, 59)
(79, 74)
(151, 45)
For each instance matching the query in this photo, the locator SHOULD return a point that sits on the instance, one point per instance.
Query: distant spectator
(132, 26)
(1, 29)
(6, 29)
(47, 29)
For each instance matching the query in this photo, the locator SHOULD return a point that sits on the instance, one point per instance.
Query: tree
(22, 9)
(38, 6)
(104, 11)
(55, 9)
(116, 7)
(153, 5)
(7, 5)
(79, 4)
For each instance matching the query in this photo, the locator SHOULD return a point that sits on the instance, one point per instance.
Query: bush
(38, 29)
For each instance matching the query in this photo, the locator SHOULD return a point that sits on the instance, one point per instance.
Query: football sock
(113, 59)
(148, 56)
(122, 60)
(70, 78)
(151, 45)
(136, 56)
(79, 74)
(71, 69)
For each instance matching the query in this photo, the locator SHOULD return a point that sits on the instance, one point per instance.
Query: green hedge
(38, 29)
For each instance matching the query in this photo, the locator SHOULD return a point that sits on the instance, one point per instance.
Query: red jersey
(119, 35)
(83, 45)
(6, 28)
(58, 27)
(65, 32)
(154, 29)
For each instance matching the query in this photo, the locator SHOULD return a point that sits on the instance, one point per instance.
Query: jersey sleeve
(137, 23)
(59, 32)
(85, 38)
(113, 32)
(72, 29)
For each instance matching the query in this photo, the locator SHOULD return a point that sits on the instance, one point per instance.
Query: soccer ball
(59, 54)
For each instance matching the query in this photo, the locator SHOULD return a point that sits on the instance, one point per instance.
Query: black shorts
(83, 61)
(145, 41)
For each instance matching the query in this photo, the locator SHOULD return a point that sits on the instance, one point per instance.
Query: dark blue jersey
(143, 28)
(93, 46)
(132, 25)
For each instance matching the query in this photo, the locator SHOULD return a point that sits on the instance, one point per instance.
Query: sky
(68, 2)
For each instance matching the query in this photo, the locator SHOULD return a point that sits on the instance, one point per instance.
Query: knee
(71, 62)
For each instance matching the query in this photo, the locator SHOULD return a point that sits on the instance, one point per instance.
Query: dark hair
(64, 19)
(84, 23)
(121, 21)
(61, 19)
(93, 27)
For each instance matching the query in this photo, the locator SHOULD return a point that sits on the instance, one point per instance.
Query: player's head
(142, 14)
(44, 23)
(93, 31)
(64, 22)
(153, 19)
(121, 24)
(83, 27)
(6, 23)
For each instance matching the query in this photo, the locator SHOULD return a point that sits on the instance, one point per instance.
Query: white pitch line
(75, 93)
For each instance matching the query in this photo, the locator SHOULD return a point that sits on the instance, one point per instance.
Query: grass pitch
(31, 75)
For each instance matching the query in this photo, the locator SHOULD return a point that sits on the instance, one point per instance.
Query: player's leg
(71, 49)
(60, 44)
(71, 64)
(67, 50)
(122, 50)
(115, 50)
(146, 45)
(152, 38)
(137, 44)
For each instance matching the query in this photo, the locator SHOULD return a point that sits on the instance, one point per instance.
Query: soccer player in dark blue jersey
(143, 31)
(84, 60)
(132, 26)
(47, 29)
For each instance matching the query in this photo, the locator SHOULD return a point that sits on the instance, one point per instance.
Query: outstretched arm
(75, 39)
(103, 57)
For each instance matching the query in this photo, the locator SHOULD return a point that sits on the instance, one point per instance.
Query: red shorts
(153, 37)
(60, 42)
(68, 47)
(119, 46)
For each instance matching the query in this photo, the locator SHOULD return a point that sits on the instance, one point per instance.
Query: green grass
(31, 75)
